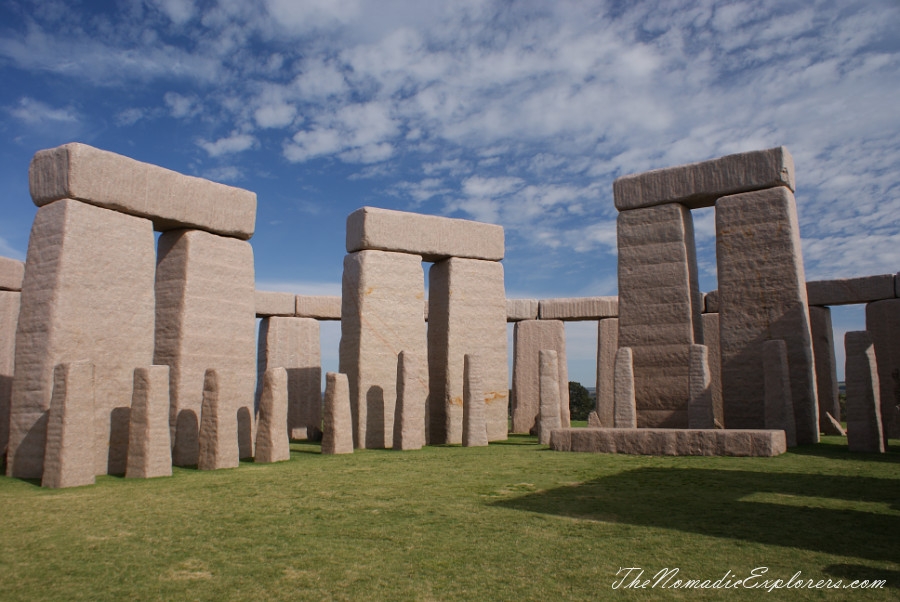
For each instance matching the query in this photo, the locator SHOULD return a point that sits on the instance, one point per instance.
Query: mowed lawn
(512, 521)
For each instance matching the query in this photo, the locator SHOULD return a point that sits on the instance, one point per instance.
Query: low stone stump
(670, 442)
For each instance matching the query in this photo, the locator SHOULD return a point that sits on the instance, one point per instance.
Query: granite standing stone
(87, 294)
(206, 318)
(549, 378)
(272, 443)
(530, 337)
(149, 440)
(70, 454)
(607, 345)
(474, 429)
(218, 437)
(337, 435)
(826, 367)
(383, 296)
(711, 340)
(700, 403)
(412, 397)
(594, 420)
(779, 409)
(864, 430)
(467, 314)
(625, 410)
(883, 325)
(9, 317)
(760, 301)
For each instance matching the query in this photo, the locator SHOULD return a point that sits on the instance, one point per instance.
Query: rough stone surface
(412, 398)
(779, 409)
(269, 303)
(87, 294)
(206, 318)
(700, 403)
(11, 273)
(864, 430)
(670, 442)
(711, 302)
(530, 337)
(9, 317)
(149, 441)
(847, 291)
(623, 390)
(521, 309)
(883, 325)
(579, 308)
(826, 367)
(383, 295)
(700, 184)
(711, 340)
(320, 307)
(607, 345)
(659, 309)
(836, 428)
(467, 314)
(70, 456)
(550, 386)
(293, 343)
(897, 284)
(218, 441)
(170, 199)
(594, 420)
(760, 301)
(337, 429)
(272, 444)
(474, 429)
(433, 237)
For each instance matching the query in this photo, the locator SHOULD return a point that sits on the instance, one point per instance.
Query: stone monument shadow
(244, 433)
(186, 448)
(375, 437)
(119, 420)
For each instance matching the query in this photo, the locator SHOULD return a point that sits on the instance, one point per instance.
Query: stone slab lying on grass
(670, 442)
(272, 444)
(320, 307)
(270, 303)
(149, 439)
(11, 273)
(579, 308)
(69, 457)
(521, 309)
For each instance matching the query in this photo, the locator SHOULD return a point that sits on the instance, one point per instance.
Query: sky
(516, 113)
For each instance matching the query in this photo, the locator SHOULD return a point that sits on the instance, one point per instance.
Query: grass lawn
(512, 521)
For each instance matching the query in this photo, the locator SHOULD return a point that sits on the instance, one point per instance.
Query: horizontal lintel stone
(579, 308)
(320, 307)
(11, 273)
(521, 309)
(269, 303)
(847, 291)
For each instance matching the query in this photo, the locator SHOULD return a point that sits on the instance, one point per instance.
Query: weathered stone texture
(760, 301)
(549, 389)
(170, 199)
(70, 455)
(87, 294)
(623, 390)
(293, 343)
(337, 429)
(383, 294)
(883, 325)
(826, 367)
(579, 308)
(607, 345)
(836, 427)
(670, 442)
(9, 317)
(433, 237)
(474, 428)
(320, 307)
(530, 337)
(467, 314)
(412, 397)
(149, 440)
(779, 408)
(847, 291)
(218, 435)
(11, 273)
(700, 403)
(711, 340)
(864, 430)
(699, 184)
(269, 303)
(711, 302)
(659, 308)
(272, 444)
(594, 420)
(521, 309)
(205, 318)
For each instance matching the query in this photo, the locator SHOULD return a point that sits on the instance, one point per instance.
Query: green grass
(513, 521)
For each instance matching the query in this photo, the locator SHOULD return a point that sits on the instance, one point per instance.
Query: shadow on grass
(832, 514)
(861, 572)
(832, 448)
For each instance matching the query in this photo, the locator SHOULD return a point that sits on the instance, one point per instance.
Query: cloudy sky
(518, 113)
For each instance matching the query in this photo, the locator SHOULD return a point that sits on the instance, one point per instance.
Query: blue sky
(517, 113)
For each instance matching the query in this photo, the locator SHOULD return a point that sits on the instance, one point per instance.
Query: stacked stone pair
(95, 289)
(383, 313)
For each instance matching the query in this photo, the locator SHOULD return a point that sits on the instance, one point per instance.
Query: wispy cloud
(35, 112)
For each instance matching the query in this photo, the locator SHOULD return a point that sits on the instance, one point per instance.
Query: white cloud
(179, 11)
(182, 106)
(129, 116)
(227, 173)
(35, 112)
(276, 115)
(234, 143)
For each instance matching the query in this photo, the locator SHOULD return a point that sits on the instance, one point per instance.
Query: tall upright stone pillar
(826, 368)
(69, 456)
(530, 337)
(149, 440)
(761, 301)
(625, 405)
(883, 324)
(864, 429)
(700, 405)
(711, 340)
(9, 317)
(607, 345)
(549, 417)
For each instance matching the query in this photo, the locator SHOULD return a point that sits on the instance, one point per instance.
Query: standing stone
(69, 459)
(700, 404)
(466, 314)
(9, 317)
(625, 410)
(594, 420)
(87, 294)
(529, 338)
(711, 340)
(412, 396)
(607, 345)
(474, 429)
(218, 426)
(205, 318)
(779, 409)
(549, 417)
(883, 325)
(659, 309)
(293, 343)
(272, 443)
(383, 296)
(761, 300)
(149, 440)
(337, 435)
(864, 429)
(826, 368)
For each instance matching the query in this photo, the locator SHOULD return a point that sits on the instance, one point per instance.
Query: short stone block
(149, 440)
(270, 303)
(412, 398)
(474, 429)
(12, 271)
(70, 456)
(320, 307)
(530, 337)
(711, 302)
(218, 436)
(669, 442)
(849, 291)
(337, 429)
(521, 309)
(594, 420)
(864, 430)
(579, 308)
(272, 444)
